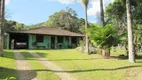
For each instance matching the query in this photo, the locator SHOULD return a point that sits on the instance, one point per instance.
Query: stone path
(58, 71)
(24, 70)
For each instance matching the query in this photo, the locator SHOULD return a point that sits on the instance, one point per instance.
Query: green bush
(10, 78)
(103, 37)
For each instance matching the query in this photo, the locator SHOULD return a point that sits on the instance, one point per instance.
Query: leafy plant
(10, 78)
(103, 38)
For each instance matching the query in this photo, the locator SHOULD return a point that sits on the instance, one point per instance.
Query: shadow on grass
(71, 59)
(139, 61)
(125, 57)
(8, 54)
(90, 70)
(29, 75)
(26, 74)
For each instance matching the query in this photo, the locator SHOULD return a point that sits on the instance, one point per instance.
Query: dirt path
(24, 70)
(132, 74)
(139, 76)
(58, 71)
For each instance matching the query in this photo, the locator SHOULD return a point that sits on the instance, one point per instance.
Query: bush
(103, 38)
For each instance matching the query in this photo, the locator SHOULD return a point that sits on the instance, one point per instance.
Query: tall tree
(85, 4)
(102, 12)
(130, 33)
(116, 15)
(2, 7)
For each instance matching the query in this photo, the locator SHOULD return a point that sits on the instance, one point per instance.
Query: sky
(35, 11)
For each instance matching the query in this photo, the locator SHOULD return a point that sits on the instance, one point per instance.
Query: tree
(102, 13)
(85, 4)
(2, 7)
(116, 14)
(130, 33)
(103, 38)
(138, 38)
(65, 19)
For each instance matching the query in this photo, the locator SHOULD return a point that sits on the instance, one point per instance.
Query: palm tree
(130, 33)
(85, 4)
(2, 7)
(102, 12)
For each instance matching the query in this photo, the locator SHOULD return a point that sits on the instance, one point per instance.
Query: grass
(8, 65)
(92, 67)
(117, 51)
(42, 72)
(82, 66)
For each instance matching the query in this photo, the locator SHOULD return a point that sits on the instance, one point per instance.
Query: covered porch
(43, 38)
(53, 42)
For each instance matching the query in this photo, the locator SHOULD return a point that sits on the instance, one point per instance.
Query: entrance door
(52, 42)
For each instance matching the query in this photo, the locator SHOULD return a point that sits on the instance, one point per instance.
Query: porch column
(64, 42)
(70, 42)
(30, 41)
(8, 40)
(49, 42)
(56, 41)
(78, 41)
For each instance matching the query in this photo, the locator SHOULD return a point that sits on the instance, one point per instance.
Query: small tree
(103, 38)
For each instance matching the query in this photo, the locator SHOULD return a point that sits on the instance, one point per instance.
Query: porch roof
(49, 31)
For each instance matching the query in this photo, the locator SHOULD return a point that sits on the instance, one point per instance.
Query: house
(43, 38)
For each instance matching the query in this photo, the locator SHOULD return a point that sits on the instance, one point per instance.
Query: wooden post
(70, 42)
(8, 40)
(49, 42)
(64, 42)
(56, 42)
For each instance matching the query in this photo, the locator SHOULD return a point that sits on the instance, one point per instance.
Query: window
(39, 38)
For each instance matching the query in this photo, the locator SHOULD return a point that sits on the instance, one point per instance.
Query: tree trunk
(102, 12)
(86, 25)
(2, 7)
(104, 52)
(130, 33)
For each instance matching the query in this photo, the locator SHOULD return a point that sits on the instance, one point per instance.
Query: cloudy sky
(36, 11)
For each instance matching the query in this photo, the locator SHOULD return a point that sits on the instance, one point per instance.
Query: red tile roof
(49, 31)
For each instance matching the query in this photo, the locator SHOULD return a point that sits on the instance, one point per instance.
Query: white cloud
(66, 1)
(95, 9)
(7, 2)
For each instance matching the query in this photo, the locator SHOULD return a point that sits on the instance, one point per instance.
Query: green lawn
(42, 72)
(92, 67)
(7, 65)
(117, 51)
(81, 65)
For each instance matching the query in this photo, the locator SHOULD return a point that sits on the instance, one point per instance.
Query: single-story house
(43, 38)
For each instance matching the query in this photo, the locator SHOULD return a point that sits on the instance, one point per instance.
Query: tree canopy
(116, 14)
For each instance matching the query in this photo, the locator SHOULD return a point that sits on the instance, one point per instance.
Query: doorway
(52, 42)
(18, 41)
